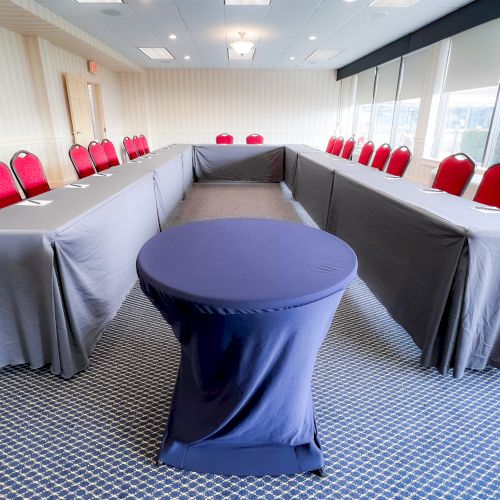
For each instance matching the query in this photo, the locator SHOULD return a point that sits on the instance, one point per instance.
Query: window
(363, 104)
(413, 69)
(385, 100)
(469, 94)
(345, 127)
(465, 122)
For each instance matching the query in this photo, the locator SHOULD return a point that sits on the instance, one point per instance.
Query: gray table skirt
(430, 258)
(238, 162)
(292, 152)
(67, 267)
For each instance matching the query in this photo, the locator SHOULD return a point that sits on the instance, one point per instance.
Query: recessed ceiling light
(312, 37)
(111, 12)
(349, 1)
(292, 58)
(322, 55)
(392, 3)
(234, 56)
(156, 52)
(247, 2)
(187, 57)
(99, 1)
(172, 36)
(378, 15)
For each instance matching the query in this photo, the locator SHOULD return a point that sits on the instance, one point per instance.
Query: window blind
(474, 58)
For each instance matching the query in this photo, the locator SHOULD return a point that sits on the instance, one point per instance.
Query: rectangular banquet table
(172, 169)
(292, 152)
(238, 162)
(431, 260)
(314, 182)
(66, 267)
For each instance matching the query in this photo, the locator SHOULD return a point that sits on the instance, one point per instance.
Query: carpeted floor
(389, 428)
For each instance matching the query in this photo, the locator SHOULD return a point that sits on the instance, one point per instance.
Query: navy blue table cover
(250, 302)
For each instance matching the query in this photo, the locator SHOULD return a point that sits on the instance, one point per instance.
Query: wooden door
(79, 106)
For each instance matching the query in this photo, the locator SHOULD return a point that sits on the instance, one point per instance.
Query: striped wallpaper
(285, 106)
(22, 123)
(296, 106)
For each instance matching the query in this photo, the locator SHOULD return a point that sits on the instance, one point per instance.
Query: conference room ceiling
(280, 31)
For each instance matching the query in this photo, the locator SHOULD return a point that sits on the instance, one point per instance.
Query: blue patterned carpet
(389, 428)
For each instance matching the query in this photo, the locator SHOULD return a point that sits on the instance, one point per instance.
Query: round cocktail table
(250, 301)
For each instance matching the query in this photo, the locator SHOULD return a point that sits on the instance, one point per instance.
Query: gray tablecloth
(66, 267)
(292, 152)
(431, 260)
(173, 175)
(238, 162)
(314, 182)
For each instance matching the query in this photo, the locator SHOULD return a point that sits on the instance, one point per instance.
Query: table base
(265, 460)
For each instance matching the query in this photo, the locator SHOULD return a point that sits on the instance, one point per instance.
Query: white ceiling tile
(205, 27)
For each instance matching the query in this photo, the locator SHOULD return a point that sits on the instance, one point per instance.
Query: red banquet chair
(129, 146)
(337, 146)
(138, 145)
(81, 160)
(255, 139)
(399, 161)
(225, 139)
(29, 173)
(98, 156)
(109, 149)
(329, 146)
(145, 144)
(348, 148)
(488, 192)
(454, 174)
(381, 155)
(366, 153)
(8, 190)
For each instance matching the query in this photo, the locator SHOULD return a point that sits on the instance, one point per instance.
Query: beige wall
(285, 106)
(33, 104)
(181, 106)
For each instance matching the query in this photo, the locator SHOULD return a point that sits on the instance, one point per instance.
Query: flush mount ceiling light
(322, 55)
(393, 3)
(313, 37)
(172, 36)
(187, 57)
(292, 58)
(242, 46)
(156, 52)
(99, 1)
(247, 2)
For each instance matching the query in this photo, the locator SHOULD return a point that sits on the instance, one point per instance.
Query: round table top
(247, 263)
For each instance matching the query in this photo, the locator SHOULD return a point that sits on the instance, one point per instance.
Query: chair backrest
(454, 173)
(348, 148)
(145, 144)
(109, 149)
(399, 161)
(81, 160)
(488, 191)
(381, 155)
(255, 139)
(8, 190)
(129, 146)
(337, 146)
(366, 153)
(138, 145)
(98, 156)
(29, 173)
(224, 139)
(329, 146)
